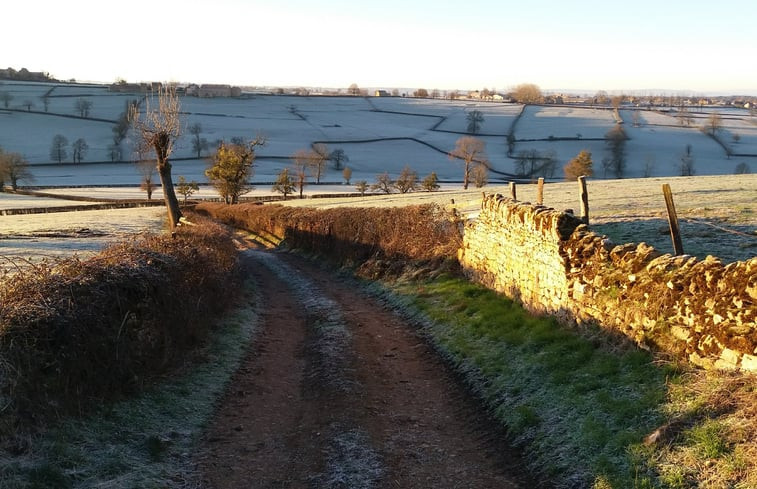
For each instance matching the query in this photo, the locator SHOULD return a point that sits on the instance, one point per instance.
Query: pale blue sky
(697, 46)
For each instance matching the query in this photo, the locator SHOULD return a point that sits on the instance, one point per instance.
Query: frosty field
(377, 134)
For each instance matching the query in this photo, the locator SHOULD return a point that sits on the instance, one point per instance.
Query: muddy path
(338, 392)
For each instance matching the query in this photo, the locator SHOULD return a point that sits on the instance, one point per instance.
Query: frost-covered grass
(293, 123)
(144, 442)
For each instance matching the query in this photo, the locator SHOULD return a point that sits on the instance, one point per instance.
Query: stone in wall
(549, 261)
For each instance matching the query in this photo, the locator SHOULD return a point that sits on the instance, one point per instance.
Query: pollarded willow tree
(158, 129)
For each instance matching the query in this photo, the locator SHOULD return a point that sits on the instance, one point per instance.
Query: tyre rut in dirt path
(337, 392)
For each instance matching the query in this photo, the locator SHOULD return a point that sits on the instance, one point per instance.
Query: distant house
(382, 93)
(211, 91)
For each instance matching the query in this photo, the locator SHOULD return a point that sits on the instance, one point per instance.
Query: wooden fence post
(675, 232)
(512, 191)
(584, 199)
(540, 191)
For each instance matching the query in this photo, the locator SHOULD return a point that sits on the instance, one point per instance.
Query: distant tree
(616, 139)
(83, 106)
(636, 118)
(353, 89)
(421, 93)
(473, 152)
(684, 116)
(480, 175)
(384, 183)
(338, 157)
(407, 181)
(6, 98)
(742, 169)
(475, 118)
(430, 183)
(362, 187)
(395, 92)
(58, 151)
(14, 168)
(686, 165)
(45, 101)
(601, 98)
(28, 104)
(79, 150)
(527, 162)
(301, 160)
(199, 144)
(318, 158)
(581, 165)
(284, 183)
(187, 189)
(736, 137)
(347, 174)
(158, 130)
(453, 95)
(617, 100)
(527, 93)
(231, 168)
(714, 124)
(649, 164)
(114, 152)
(147, 173)
(435, 93)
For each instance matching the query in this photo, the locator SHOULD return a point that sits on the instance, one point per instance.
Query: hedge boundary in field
(76, 332)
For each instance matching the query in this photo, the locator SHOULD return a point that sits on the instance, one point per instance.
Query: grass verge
(144, 442)
(586, 410)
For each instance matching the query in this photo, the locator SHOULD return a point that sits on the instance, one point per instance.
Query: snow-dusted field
(292, 123)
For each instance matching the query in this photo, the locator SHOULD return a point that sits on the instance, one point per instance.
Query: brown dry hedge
(350, 234)
(77, 331)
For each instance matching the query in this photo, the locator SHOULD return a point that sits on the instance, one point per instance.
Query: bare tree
(473, 152)
(83, 106)
(421, 93)
(686, 166)
(159, 128)
(186, 189)
(58, 151)
(616, 141)
(45, 101)
(6, 98)
(480, 174)
(28, 104)
(354, 89)
(318, 158)
(14, 167)
(475, 119)
(79, 150)
(301, 160)
(362, 187)
(199, 144)
(430, 183)
(147, 172)
(714, 123)
(338, 156)
(383, 183)
(407, 181)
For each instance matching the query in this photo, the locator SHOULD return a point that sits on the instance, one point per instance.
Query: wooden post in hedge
(675, 232)
(512, 191)
(584, 199)
(540, 191)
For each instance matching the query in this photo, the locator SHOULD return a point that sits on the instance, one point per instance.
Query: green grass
(574, 404)
(579, 404)
(143, 442)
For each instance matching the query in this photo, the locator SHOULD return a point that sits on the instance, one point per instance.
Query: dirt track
(337, 392)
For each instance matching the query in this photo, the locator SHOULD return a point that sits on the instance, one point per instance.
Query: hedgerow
(78, 331)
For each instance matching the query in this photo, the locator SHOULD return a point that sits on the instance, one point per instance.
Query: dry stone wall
(702, 310)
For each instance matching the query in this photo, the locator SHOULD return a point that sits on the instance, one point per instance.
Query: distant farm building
(382, 93)
(212, 91)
